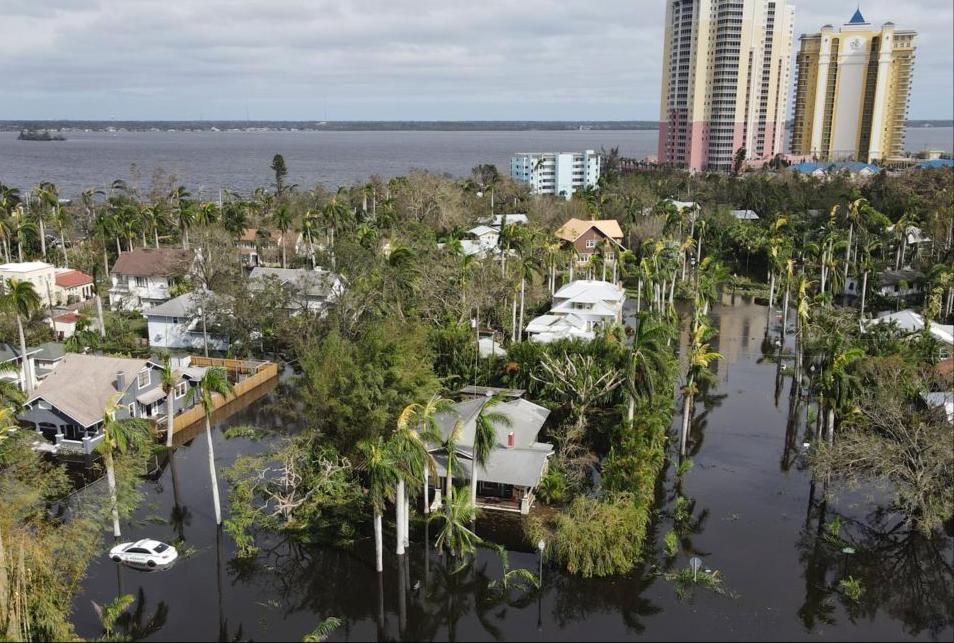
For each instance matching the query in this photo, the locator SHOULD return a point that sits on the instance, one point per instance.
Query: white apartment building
(560, 174)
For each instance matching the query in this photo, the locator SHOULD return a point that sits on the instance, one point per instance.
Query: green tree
(21, 299)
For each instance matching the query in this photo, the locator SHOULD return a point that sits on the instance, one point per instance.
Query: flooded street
(756, 517)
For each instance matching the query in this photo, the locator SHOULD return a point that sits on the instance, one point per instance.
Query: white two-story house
(143, 278)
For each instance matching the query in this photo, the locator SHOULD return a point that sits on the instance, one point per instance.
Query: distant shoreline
(355, 126)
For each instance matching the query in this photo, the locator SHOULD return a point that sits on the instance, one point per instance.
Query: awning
(152, 396)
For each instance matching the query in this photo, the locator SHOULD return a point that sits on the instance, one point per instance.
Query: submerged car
(146, 554)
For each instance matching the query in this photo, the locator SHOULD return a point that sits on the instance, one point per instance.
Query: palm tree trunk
(427, 491)
(378, 543)
(407, 518)
(399, 516)
(864, 289)
(686, 408)
(449, 485)
(155, 232)
(42, 238)
(523, 292)
(281, 240)
(99, 316)
(170, 419)
(639, 294)
(113, 500)
(185, 237)
(851, 229)
(831, 425)
(513, 333)
(784, 317)
(20, 248)
(27, 371)
(215, 482)
(473, 482)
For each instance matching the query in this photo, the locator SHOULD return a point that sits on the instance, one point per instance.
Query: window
(143, 379)
(141, 282)
(591, 243)
(132, 410)
(181, 389)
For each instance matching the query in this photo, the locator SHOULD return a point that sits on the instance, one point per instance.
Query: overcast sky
(380, 59)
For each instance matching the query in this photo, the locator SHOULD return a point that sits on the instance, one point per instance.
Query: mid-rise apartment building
(560, 174)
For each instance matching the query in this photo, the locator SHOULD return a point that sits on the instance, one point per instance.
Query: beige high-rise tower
(726, 78)
(851, 96)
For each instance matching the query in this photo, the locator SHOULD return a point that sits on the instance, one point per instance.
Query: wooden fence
(261, 372)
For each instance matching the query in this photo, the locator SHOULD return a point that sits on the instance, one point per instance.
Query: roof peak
(857, 18)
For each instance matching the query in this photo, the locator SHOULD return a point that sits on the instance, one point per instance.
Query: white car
(146, 553)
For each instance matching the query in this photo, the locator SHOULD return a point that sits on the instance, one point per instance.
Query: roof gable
(154, 262)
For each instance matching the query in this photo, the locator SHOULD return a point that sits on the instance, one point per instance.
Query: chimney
(120, 381)
(510, 440)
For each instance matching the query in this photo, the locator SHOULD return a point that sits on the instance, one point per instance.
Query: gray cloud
(378, 59)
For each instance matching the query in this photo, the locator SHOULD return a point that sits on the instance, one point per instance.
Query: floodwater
(756, 518)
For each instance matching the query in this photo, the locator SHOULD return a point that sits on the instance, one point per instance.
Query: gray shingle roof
(82, 385)
(313, 283)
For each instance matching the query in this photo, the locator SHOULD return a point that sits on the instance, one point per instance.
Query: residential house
(56, 285)
(587, 236)
(499, 220)
(314, 290)
(890, 283)
(909, 322)
(578, 309)
(484, 240)
(516, 464)
(49, 355)
(16, 369)
(943, 400)
(263, 246)
(67, 407)
(72, 286)
(40, 274)
(144, 278)
(745, 215)
(181, 323)
(64, 324)
(825, 168)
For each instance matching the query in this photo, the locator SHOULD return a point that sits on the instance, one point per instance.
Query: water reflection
(749, 505)
(902, 572)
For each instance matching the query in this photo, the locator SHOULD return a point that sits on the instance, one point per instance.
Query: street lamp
(541, 545)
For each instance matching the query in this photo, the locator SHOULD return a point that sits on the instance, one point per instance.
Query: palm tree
(153, 216)
(168, 379)
(119, 436)
(21, 228)
(485, 439)
(416, 427)
(46, 196)
(283, 219)
(837, 381)
(21, 299)
(377, 459)
(454, 532)
(699, 359)
(527, 268)
(214, 381)
(646, 360)
(182, 211)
